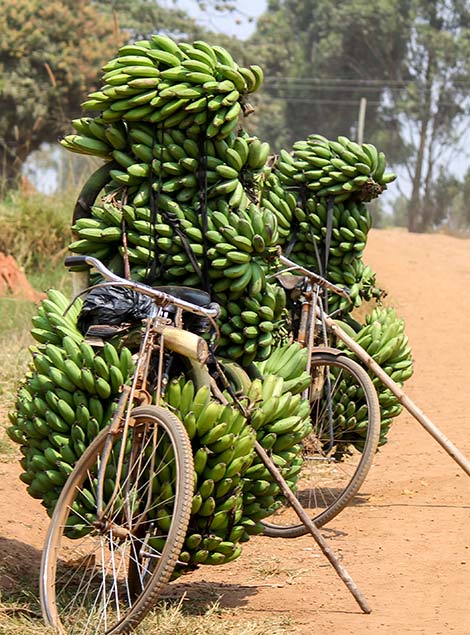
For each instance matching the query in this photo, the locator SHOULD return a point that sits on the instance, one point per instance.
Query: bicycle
(333, 469)
(99, 569)
(103, 566)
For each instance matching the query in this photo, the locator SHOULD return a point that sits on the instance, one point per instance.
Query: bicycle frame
(160, 334)
(311, 308)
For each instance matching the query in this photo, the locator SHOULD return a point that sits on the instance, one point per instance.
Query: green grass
(15, 339)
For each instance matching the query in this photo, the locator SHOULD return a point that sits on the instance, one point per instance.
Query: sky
(237, 24)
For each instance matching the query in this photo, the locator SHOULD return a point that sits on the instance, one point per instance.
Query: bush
(35, 228)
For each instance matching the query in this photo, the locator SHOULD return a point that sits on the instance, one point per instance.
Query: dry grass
(35, 229)
(172, 619)
(19, 618)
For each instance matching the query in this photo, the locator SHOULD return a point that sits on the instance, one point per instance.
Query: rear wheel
(339, 452)
(102, 572)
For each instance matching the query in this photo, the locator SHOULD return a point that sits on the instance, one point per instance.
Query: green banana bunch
(383, 338)
(65, 399)
(289, 362)
(233, 489)
(222, 442)
(340, 169)
(305, 217)
(181, 164)
(281, 419)
(282, 202)
(194, 87)
(238, 243)
(229, 162)
(251, 326)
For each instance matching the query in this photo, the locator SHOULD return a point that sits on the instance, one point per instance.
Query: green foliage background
(409, 58)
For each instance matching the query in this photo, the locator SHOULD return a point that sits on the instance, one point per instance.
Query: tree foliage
(50, 56)
(409, 58)
(321, 57)
(435, 103)
(139, 18)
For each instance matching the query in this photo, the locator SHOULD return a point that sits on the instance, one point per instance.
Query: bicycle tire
(333, 470)
(96, 591)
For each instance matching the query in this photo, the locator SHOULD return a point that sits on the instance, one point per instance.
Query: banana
(165, 43)
(200, 460)
(208, 415)
(86, 145)
(258, 154)
(214, 434)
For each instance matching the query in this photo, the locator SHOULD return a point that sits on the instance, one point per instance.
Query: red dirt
(406, 543)
(14, 282)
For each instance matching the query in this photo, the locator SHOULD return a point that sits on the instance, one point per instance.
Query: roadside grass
(18, 617)
(35, 229)
(15, 339)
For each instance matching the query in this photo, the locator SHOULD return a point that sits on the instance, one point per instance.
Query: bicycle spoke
(97, 578)
(333, 469)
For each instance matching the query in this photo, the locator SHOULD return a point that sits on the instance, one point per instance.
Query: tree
(436, 101)
(409, 58)
(139, 18)
(320, 57)
(50, 56)
(448, 203)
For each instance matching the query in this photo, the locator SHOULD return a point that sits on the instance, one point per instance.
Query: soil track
(406, 542)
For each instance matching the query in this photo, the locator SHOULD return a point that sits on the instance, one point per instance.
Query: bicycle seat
(187, 294)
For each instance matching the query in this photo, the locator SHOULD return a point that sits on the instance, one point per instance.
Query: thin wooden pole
(307, 521)
(361, 120)
(406, 402)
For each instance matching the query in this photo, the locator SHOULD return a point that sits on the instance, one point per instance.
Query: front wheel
(338, 453)
(102, 571)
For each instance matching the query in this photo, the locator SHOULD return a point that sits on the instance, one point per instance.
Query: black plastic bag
(113, 305)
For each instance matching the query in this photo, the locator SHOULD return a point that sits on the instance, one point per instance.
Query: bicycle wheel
(334, 468)
(103, 574)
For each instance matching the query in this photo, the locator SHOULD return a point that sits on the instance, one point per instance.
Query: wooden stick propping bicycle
(307, 521)
(362, 354)
(405, 401)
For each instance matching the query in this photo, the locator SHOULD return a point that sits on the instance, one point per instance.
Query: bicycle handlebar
(162, 298)
(316, 278)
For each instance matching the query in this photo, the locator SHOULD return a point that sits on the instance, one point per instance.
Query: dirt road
(407, 542)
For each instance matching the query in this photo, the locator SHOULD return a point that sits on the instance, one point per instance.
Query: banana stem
(405, 401)
(307, 521)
